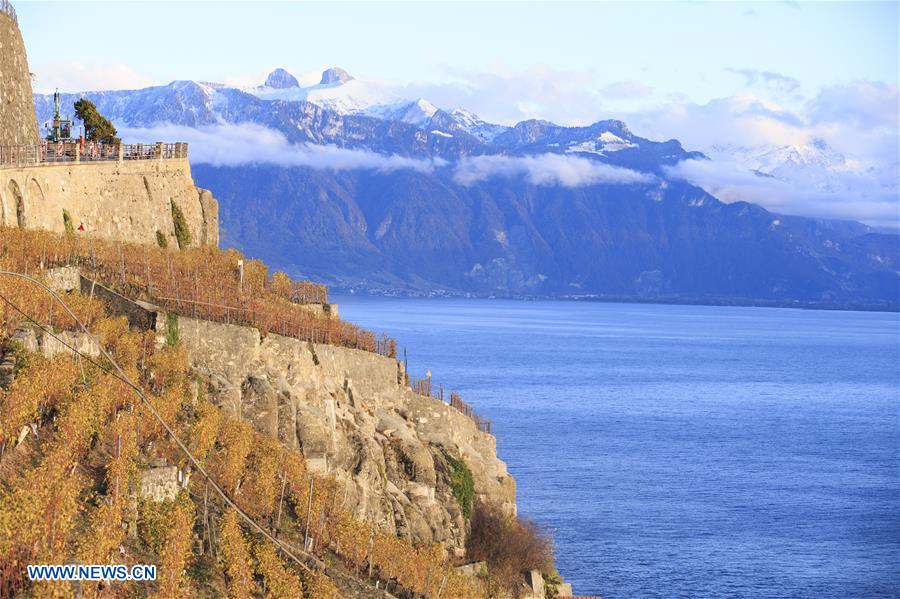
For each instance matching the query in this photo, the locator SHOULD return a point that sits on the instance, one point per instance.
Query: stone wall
(349, 414)
(123, 201)
(140, 315)
(18, 123)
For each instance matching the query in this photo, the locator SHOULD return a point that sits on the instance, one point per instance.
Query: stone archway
(15, 195)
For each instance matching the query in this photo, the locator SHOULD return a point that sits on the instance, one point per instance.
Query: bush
(67, 222)
(182, 233)
(172, 334)
(509, 545)
(161, 240)
(551, 584)
(462, 484)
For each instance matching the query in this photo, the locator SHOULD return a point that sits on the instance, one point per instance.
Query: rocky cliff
(350, 414)
(17, 116)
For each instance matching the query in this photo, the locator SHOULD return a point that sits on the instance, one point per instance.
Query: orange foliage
(202, 282)
(235, 557)
(280, 583)
(175, 553)
(37, 388)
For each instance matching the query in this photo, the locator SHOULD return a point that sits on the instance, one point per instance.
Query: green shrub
(67, 222)
(172, 328)
(161, 240)
(551, 584)
(461, 483)
(182, 233)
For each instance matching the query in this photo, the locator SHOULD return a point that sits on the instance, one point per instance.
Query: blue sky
(676, 48)
(755, 74)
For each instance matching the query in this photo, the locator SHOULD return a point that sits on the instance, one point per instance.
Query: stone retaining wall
(122, 201)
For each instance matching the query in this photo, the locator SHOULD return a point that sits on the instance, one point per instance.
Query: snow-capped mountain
(337, 90)
(341, 92)
(814, 165)
(474, 125)
(449, 131)
(347, 112)
(540, 210)
(601, 145)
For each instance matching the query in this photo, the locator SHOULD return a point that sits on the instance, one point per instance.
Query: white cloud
(505, 96)
(545, 169)
(774, 82)
(859, 120)
(231, 145)
(73, 76)
(851, 196)
(865, 104)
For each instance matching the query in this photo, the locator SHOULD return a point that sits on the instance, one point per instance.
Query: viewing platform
(49, 153)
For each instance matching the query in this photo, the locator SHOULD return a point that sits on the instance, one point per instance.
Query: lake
(683, 451)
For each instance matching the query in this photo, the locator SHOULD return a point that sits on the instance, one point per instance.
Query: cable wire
(120, 375)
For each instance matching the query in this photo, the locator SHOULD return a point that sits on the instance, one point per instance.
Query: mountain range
(350, 183)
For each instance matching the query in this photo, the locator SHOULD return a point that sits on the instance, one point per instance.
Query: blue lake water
(683, 451)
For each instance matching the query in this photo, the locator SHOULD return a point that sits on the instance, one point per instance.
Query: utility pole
(308, 509)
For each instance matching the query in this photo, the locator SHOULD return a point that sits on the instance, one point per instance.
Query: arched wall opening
(15, 195)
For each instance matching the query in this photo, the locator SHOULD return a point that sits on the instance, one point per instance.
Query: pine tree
(96, 126)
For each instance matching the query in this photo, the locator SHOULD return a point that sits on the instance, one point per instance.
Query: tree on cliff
(96, 126)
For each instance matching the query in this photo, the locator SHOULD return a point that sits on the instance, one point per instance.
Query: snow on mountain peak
(812, 165)
(281, 79)
(476, 126)
(335, 75)
(604, 143)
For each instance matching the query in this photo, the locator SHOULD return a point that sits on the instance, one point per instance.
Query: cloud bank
(232, 145)
(546, 170)
(846, 196)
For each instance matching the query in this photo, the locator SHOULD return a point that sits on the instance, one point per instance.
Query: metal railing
(75, 151)
(482, 423)
(157, 151)
(423, 388)
(7, 8)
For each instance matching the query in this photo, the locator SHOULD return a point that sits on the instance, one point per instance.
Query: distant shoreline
(336, 290)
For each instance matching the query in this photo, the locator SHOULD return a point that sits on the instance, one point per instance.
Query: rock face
(347, 412)
(281, 79)
(335, 75)
(17, 116)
